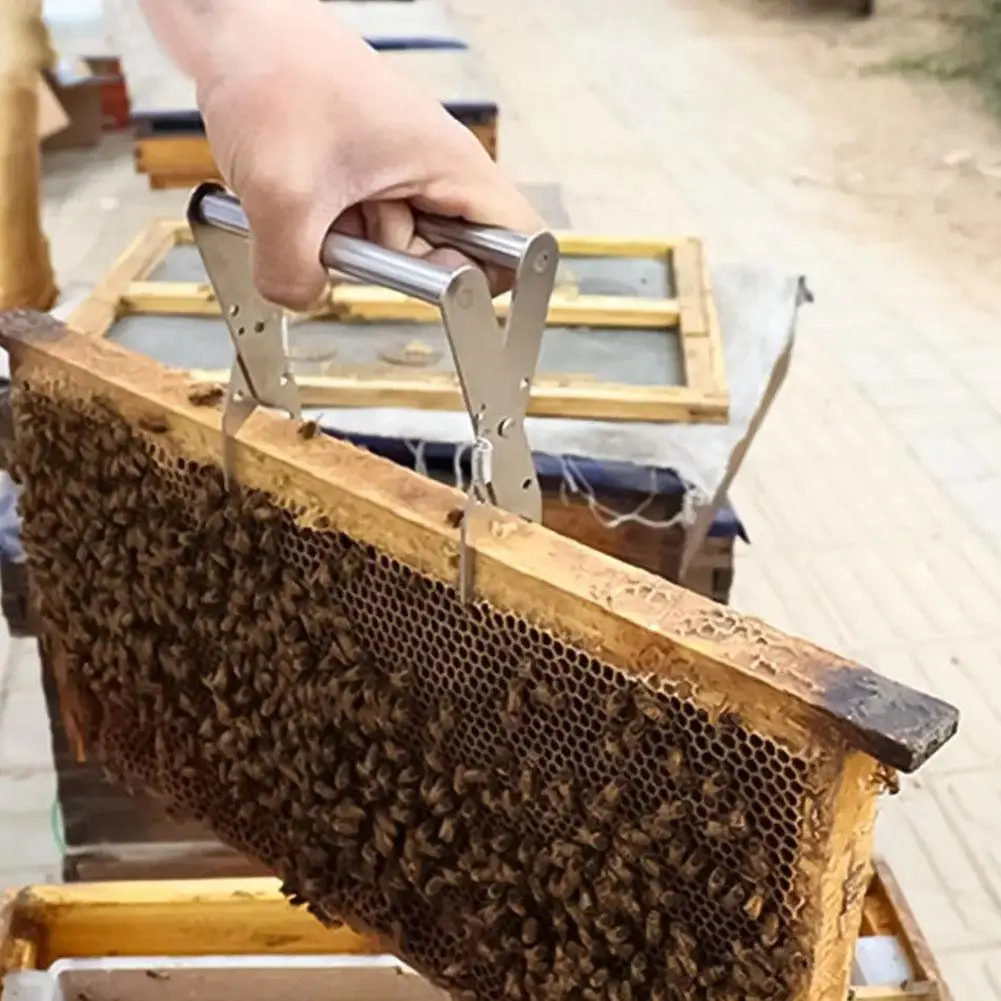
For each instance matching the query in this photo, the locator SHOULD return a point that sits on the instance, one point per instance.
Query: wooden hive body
(588, 784)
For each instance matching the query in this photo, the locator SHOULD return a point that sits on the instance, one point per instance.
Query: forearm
(208, 38)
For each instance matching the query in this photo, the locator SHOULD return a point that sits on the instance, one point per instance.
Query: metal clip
(495, 368)
(480, 484)
(261, 375)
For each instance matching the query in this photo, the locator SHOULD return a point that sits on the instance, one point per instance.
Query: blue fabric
(10, 521)
(439, 462)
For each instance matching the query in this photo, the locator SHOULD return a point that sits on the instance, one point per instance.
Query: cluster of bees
(296, 704)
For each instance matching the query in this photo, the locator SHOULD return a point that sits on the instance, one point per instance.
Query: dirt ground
(904, 157)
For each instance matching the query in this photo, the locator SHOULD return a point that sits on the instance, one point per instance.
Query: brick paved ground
(873, 496)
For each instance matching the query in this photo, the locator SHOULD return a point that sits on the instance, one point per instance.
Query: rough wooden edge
(844, 872)
(904, 927)
(789, 687)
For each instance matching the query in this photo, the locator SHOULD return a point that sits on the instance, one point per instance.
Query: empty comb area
(520, 819)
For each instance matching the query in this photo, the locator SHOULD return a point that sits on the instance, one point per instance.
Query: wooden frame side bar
(358, 386)
(369, 304)
(628, 617)
(100, 309)
(701, 339)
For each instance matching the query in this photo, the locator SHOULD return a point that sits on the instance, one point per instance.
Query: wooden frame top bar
(632, 617)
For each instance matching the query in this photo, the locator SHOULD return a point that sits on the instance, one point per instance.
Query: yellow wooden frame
(42, 924)
(126, 290)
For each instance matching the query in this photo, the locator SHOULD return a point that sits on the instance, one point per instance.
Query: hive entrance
(522, 820)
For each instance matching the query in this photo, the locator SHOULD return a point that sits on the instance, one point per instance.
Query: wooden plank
(348, 303)
(223, 917)
(701, 341)
(571, 242)
(182, 160)
(571, 396)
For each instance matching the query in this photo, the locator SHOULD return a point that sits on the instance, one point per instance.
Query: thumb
(286, 237)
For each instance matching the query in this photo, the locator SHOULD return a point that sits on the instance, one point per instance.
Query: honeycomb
(518, 819)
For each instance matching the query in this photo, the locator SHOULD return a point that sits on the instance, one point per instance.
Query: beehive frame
(126, 290)
(848, 727)
(40, 925)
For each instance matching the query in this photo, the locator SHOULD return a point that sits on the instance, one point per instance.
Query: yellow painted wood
(100, 309)
(569, 396)
(172, 918)
(572, 244)
(704, 398)
(370, 304)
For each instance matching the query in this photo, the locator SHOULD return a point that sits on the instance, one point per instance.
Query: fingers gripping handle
(368, 262)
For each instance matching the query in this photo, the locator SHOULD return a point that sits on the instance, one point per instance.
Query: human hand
(309, 125)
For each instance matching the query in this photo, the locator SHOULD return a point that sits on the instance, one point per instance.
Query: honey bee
(654, 928)
(528, 784)
(597, 840)
(205, 394)
(512, 986)
(770, 929)
(754, 905)
(633, 733)
(756, 860)
(617, 704)
(716, 882)
(714, 784)
(691, 867)
(448, 829)
(544, 696)
(733, 897)
(604, 806)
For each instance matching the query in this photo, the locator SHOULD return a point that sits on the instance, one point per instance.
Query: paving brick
(27, 790)
(949, 898)
(972, 974)
(15, 879)
(22, 667)
(27, 841)
(25, 743)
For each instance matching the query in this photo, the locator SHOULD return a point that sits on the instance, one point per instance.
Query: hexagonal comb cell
(521, 814)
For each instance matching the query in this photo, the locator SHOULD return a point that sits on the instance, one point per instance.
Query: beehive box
(45, 925)
(584, 776)
(172, 150)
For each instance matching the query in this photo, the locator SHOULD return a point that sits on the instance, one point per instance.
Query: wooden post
(26, 276)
